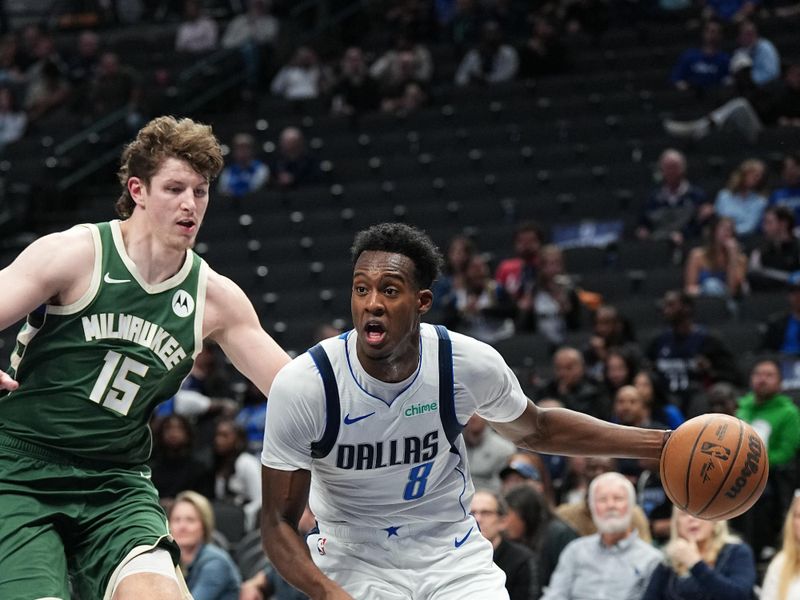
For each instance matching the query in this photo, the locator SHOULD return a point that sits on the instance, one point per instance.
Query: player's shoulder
(463, 345)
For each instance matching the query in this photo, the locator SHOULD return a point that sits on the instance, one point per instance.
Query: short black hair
(399, 238)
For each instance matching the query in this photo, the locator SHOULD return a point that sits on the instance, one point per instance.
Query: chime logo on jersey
(182, 303)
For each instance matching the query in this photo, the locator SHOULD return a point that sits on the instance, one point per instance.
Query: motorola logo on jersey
(182, 303)
(407, 451)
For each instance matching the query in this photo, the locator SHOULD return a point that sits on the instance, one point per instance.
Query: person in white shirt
(782, 581)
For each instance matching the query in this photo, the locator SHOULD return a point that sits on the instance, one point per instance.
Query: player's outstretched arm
(285, 494)
(232, 322)
(570, 433)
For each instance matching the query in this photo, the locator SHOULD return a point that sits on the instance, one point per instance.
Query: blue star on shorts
(392, 531)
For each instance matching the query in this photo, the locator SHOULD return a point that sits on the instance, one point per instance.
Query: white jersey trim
(200, 307)
(94, 286)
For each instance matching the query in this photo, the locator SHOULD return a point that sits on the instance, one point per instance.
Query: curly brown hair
(162, 138)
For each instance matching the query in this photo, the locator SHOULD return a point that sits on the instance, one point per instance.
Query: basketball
(714, 466)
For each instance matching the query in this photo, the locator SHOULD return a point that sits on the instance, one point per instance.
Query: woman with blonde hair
(782, 581)
(703, 562)
(743, 198)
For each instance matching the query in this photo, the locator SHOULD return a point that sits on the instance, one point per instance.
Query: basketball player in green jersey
(116, 313)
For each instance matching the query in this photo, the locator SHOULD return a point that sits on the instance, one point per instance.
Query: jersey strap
(447, 403)
(322, 448)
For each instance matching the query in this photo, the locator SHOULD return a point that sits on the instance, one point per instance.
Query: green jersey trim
(157, 288)
(94, 286)
(200, 308)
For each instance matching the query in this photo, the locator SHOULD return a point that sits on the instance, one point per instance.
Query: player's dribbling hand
(6, 382)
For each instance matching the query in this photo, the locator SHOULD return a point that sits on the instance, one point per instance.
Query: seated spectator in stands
(778, 254)
(703, 68)
(237, 473)
(293, 165)
(300, 80)
(44, 53)
(619, 368)
(254, 33)
(47, 92)
(652, 389)
(13, 121)
(729, 11)
(776, 418)
(743, 199)
(406, 61)
(115, 86)
(542, 53)
(173, 464)
(609, 330)
(573, 387)
(782, 581)
(516, 560)
(676, 209)
(460, 251)
(355, 91)
(491, 62)
(462, 24)
(411, 98)
(718, 267)
(630, 409)
(518, 273)
(551, 307)
(252, 417)
(613, 563)
(766, 60)
(575, 512)
(481, 308)
(82, 66)
(688, 356)
(703, 562)
(246, 174)
(528, 468)
(782, 332)
(788, 192)
(198, 32)
(723, 398)
(531, 522)
(487, 452)
(209, 571)
(11, 71)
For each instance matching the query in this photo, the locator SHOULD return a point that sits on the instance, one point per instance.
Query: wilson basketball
(714, 466)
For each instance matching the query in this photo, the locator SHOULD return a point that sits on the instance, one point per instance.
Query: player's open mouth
(187, 225)
(374, 332)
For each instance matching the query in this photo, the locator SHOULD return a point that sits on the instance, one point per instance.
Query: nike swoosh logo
(460, 542)
(349, 421)
(108, 279)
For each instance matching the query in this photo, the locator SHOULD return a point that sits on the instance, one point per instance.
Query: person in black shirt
(778, 255)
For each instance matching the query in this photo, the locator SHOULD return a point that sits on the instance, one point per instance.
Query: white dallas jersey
(387, 454)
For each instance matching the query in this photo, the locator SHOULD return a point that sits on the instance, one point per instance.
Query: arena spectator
(464, 26)
(302, 79)
(237, 473)
(246, 174)
(575, 512)
(48, 91)
(630, 409)
(730, 11)
(491, 62)
(743, 198)
(703, 562)
(782, 333)
(788, 192)
(174, 467)
(198, 32)
(209, 571)
(115, 86)
(718, 267)
(619, 368)
(293, 164)
(481, 308)
(614, 563)
(573, 387)
(609, 330)
(254, 33)
(531, 522)
(82, 66)
(778, 254)
(11, 72)
(543, 53)
(516, 560)
(782, 581)
(407, 61)
(252, 417)
(487, 453)
(527, 468)
(676, 209)
(551, 307)
(460, 251)
(356, 91)
(766, 60)
(723, 398)
(688, 356)
(703, 68)
(776, 419)
(13, 121)
(653, 390)
(518, 273)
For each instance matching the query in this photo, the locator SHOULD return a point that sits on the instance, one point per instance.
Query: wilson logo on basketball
(750, 467)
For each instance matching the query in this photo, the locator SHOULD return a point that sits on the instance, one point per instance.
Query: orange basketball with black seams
(714, 466)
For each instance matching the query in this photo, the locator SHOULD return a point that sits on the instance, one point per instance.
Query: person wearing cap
(782, 333)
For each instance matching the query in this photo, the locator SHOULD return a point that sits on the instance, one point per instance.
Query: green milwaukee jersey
(91, 373)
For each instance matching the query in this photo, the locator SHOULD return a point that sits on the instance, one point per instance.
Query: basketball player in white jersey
(369, 424)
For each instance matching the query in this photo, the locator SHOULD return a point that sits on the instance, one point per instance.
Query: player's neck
(155, 261)
(399, 366)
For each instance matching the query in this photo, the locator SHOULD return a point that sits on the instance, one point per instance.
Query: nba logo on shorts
(321, 545)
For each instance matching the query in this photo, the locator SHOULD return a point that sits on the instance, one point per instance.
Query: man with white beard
(612, 564)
